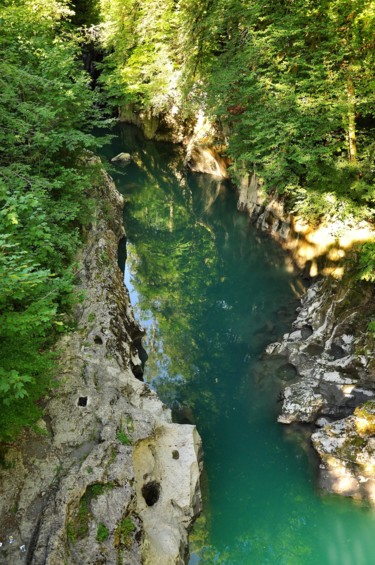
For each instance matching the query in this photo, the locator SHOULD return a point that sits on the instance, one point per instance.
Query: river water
(211, 294)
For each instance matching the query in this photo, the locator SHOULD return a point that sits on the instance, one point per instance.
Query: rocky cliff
(334, 358)
(329, 345)
(109, 479)
(166, 126)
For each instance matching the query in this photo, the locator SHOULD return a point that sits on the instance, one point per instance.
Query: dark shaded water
(212, 294)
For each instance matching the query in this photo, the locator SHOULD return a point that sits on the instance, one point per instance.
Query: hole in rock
(175, 454)
(98, 340)
(137, 371)
(337, 352)
(122, 254)
(142, 353)
(306, 331)
(151, 493)
(82, 401)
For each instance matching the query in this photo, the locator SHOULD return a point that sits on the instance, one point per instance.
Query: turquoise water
(212, 293)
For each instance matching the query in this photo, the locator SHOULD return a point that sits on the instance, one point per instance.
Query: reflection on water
(212, 293)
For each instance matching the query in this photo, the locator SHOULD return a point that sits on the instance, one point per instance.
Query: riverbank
(334, 358)
(329, 344)
(99, 480)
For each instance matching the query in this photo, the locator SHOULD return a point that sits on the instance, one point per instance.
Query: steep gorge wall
(111, 479)
(320, 249)
(329, 344)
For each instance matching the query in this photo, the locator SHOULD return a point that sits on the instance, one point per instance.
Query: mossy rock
(365, 419)
(78, 526)
(352, 446)
(123, 532)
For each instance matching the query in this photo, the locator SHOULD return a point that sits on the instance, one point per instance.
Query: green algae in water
(212, 293)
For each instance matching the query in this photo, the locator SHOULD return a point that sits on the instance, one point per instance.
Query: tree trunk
(351, 122)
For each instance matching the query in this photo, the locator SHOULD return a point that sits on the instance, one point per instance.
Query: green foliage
(78, 526)
(46, 113)
(102, 533)
(289, 86)
(123, 438)
(279, 82)
(367, 262)
(141, 66)
(70, 533)
(97, 489)
(86, 12)
(123, 532)
(313, 204)
(82, 520)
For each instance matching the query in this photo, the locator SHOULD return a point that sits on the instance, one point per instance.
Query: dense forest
(287, 85)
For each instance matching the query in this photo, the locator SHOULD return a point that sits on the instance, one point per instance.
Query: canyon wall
(108, 478)
(329, 345)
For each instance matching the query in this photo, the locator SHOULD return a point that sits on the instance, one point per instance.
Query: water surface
(212, 293)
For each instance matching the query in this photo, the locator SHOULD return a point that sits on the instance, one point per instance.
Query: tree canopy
(290, 83)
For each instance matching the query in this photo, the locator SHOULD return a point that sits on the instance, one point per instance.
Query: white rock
(295, 336)
(166, 466)
(122, 158)
(322, 422)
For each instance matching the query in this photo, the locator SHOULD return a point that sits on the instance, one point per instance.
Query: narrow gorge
(211, 291)
(187, 268)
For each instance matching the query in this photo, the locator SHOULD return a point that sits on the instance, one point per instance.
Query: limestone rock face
(347, 450)
(332, 377)
(167, 126)
(250, 197)
(77, 493)
(334, 361)
(167, 478)
(207, 160)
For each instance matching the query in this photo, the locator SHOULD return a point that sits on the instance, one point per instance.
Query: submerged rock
(77, 493)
